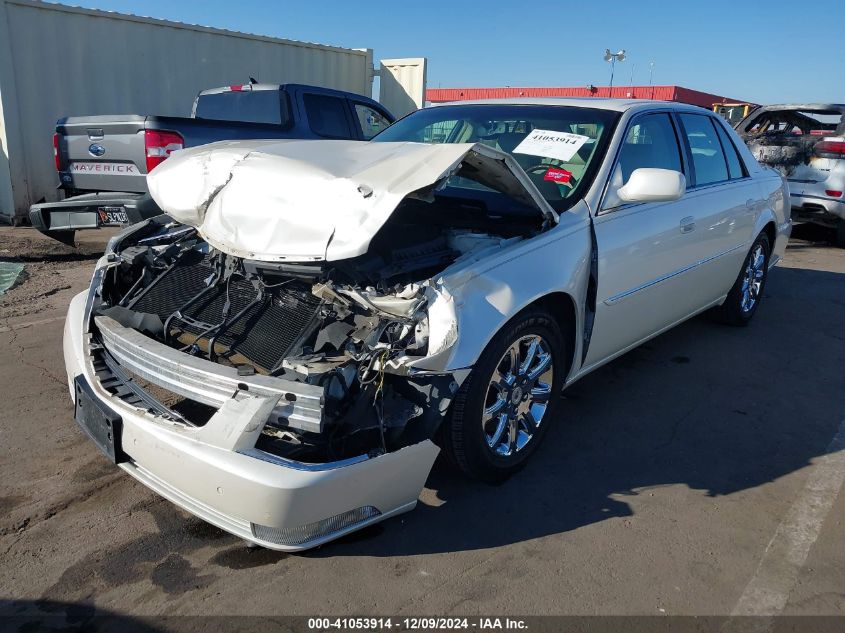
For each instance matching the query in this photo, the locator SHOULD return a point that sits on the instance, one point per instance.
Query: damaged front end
(290, 398)
(349, 349)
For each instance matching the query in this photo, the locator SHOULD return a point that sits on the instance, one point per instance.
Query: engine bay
(348, 327)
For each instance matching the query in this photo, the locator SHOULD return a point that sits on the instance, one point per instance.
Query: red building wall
(660, 93)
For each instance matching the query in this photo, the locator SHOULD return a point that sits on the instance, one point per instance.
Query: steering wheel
(543, 167)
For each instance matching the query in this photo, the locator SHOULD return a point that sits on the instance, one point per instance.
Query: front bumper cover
(259, 497)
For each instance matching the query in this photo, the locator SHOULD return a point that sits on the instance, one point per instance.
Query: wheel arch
(771, 231)
(767, 223)
(563, 308)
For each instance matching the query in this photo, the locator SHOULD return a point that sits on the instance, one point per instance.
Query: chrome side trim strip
(300, 404)
(264, 456)
(622, 295)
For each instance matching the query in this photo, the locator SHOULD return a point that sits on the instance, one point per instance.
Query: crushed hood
(316, 200)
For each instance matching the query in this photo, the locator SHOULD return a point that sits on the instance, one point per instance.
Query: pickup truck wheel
(507, 403)
(840, 234)
(744, 298)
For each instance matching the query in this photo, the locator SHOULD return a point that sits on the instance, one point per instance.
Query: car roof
(617, 105)
(291, 86)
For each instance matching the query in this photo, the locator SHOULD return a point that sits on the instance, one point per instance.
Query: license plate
(102, 426)
(112, 215)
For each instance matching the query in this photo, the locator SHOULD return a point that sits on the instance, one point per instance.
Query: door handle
(688, 224)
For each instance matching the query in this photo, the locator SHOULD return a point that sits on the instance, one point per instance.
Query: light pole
(613, 58)
(650, 76)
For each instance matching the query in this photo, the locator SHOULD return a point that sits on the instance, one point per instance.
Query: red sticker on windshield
(558, 175)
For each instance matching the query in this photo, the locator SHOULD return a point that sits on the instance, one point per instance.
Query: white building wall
(60, 61)
(402, 84)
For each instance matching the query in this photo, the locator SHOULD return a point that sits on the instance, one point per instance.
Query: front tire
(744, 297)
(507, 403)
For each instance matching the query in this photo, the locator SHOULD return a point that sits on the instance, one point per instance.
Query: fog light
(310, 531)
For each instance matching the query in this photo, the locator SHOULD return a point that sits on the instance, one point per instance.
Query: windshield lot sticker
(551, 144)
(558, 175)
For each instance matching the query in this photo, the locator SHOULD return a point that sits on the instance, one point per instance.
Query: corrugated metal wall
(660, 93)
(402, 84)
(64, 61)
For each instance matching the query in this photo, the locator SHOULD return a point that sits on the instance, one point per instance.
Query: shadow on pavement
(715, 408)
(26, 616)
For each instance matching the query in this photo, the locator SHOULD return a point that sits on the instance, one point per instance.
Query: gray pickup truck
(103, 161)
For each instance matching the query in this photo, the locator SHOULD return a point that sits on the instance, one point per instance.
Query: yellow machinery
(733, 112)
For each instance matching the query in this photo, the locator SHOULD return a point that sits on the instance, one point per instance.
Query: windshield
(559, 147)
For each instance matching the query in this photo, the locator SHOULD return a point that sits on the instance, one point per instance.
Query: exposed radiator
(262, 336)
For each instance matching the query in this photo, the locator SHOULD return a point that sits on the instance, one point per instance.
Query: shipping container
(60, 61)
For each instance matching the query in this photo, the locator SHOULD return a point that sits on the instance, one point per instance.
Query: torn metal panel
(806, 144)
(785, 136)
(317, 200)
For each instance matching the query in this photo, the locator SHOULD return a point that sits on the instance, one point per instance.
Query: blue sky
(766, 52)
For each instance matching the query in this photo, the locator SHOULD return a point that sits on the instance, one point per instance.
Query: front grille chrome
(300, 405)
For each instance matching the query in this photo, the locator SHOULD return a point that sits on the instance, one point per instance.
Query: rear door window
(708, 160)
(327, 116)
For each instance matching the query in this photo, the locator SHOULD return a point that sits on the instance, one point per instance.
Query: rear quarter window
(327, 116)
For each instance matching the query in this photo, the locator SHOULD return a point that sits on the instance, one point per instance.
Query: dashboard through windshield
(559, 147)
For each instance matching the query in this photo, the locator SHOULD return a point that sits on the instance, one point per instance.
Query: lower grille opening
(140, 393)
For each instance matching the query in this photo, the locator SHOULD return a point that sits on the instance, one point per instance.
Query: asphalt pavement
(699, 474)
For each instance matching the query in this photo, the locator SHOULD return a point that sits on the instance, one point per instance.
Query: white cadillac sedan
(286, 351)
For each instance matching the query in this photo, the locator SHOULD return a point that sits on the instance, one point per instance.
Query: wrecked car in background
(286, 351)
(806, 143)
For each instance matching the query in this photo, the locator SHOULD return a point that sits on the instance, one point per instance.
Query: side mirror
(649, 184)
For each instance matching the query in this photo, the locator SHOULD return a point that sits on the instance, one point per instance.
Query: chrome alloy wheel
(752, 281)
(518, 395)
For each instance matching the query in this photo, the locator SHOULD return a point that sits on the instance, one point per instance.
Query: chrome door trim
(627, 293)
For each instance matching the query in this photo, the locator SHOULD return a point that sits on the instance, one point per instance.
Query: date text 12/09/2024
(416, 624)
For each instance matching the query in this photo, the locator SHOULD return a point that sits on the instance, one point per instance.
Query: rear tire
(840, 234)
(505, 406)
(744, 297)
